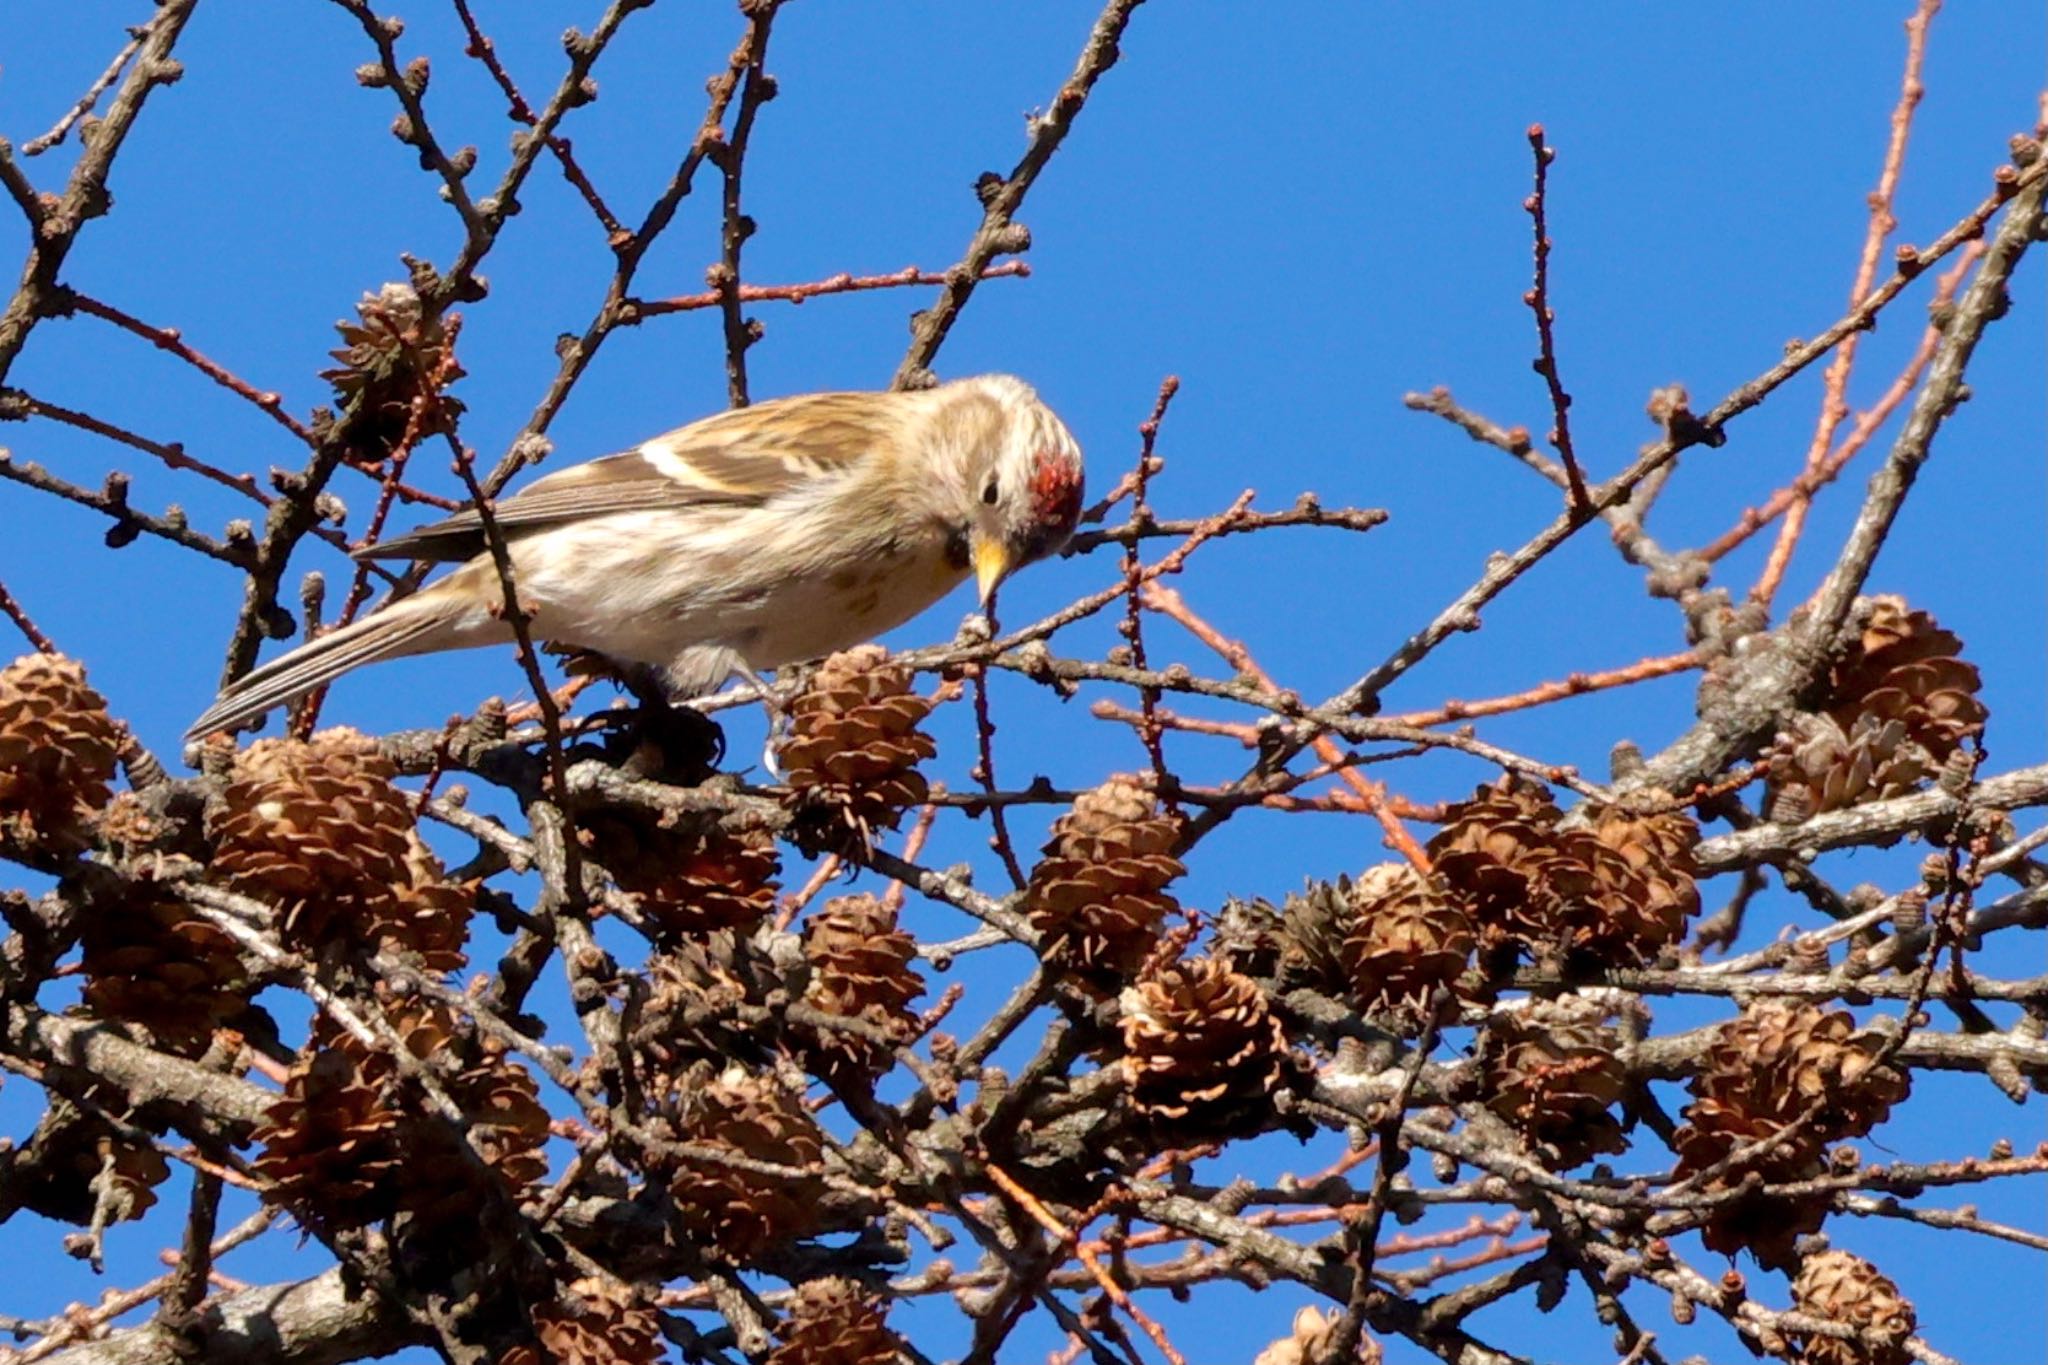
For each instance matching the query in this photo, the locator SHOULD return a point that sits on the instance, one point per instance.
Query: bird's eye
(988, 493)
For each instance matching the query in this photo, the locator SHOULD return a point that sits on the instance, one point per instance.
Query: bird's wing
(739, 458)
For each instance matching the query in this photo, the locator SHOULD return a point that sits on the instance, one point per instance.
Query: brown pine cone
(1838, 1287)
(860, 970)
(1818, 766)
(58, 747)
(316, 829)
(332, 1150)
(391, 357)
(1907, 668)
(688, 882)
(1553, 1072)
(1098, 896)
(1653, 892)
(1405, 939)
(854, 745)
(153, 962)
(1898, 706)
(835, 1322)
(694, 990)
(1765, 1071)
(742, 1212)
(596, 1322)
(1204, 1056)
(1499, 857)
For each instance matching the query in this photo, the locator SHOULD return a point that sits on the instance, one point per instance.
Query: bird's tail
(417, 625)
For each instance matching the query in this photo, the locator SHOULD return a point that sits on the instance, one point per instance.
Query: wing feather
(740, 458)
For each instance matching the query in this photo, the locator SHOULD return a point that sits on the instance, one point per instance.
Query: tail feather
(409, 627)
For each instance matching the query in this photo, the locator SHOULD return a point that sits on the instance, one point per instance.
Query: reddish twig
(172, 340)
(1810, 481)
(1571, 685)
(519, 111)
(1538, 299)
(1048, 1220)
(913, 844)
(635, 311)
(1132, 627)
(1169, 603)
(1834, 403)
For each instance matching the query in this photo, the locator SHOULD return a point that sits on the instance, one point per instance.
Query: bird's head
(1022, 482)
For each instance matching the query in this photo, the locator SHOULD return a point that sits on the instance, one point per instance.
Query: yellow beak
(991, 562)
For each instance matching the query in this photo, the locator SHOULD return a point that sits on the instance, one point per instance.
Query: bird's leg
(778, 719)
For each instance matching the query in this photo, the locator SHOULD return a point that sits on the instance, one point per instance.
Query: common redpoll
(763, 536)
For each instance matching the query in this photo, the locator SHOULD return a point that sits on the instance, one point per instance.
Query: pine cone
(1908, 669)
(1307, 1343)
(694, 991)
(393, 356)
(1403, 941)
(1553, 1072)
(1818, 766)
(689, 882)
(1249, 938)
(1898, 707)
(860, 970)
(1651, 893)
(1498, 855)
(316, 829)
(1767, 1068)
(742, 1212)
(854, 744)
(153, 962)
(1204, 1055)
(1313, 927)
(331, 1147)
(58, 747)
(1617, 889)
(835, 1322)
(1838, 1287)
(598, 1322)
(1098, 896)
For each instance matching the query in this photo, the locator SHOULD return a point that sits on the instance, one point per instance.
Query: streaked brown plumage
(755, 538)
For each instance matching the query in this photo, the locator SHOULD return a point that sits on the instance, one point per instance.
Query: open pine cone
(317, 829)
(1898, 706)
(153, 962)
(854, 745)
(1838, 1287)
(58, 747)
(860, 970)
(1615, 888)
(689, 882)
(1098, 896)
(1788, 1072)
(1203, 1055)
(742, 1212)
(593, 1322)
(1403, 941)
(1553, 1073)
(388, 358)
(834, 1321)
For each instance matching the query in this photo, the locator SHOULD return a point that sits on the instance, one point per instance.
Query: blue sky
(1302, 212)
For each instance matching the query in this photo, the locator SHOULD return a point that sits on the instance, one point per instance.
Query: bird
(750, 540)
